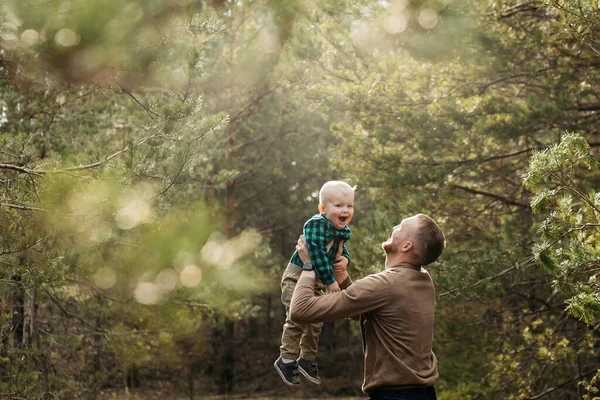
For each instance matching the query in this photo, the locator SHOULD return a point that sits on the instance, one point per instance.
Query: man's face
(339, 208)
(400, 234)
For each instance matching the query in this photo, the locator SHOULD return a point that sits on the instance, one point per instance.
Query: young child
(325, 235)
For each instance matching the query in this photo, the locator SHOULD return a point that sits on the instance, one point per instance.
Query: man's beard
(388, 248)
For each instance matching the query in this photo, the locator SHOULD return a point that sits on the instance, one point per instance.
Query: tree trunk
(97, 359)
(227, 353)
(17, 307)
(29, 317)
(191, 381)
(227, 364)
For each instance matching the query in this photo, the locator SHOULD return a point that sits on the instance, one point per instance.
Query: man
(396, 309)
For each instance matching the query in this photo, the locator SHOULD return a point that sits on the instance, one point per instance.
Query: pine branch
(95, 164)
(88, 166)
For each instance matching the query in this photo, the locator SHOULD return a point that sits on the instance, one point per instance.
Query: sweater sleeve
(364, 295)
(315, 234)
(347, 282)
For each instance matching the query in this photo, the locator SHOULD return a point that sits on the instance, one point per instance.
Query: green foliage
(570, 234)
(563, 157)
(158, 159)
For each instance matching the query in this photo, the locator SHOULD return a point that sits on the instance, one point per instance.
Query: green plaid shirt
(318, 232)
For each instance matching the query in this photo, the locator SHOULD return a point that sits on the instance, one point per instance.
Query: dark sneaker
(310, 370)
(288, 372)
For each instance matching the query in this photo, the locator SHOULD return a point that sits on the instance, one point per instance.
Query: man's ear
(407, 246)
(321, 208)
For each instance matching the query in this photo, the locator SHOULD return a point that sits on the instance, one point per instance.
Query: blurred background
(158, 159)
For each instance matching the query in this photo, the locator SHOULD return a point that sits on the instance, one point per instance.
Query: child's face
(339, 208)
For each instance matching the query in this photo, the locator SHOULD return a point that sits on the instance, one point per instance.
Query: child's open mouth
(343, 219)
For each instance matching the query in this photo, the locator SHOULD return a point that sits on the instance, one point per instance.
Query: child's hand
(334, 287)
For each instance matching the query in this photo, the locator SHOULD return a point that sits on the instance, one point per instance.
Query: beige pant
(298, 339)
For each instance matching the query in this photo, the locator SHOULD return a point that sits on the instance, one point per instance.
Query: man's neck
(398, 260)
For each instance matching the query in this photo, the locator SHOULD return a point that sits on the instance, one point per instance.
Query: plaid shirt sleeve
(346, 254)
(315, 234)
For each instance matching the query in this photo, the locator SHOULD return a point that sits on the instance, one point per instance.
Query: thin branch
(21, 250)
(173, 181)
(109, 157)
(89, 166)
(492, 195)
(557, 5)
(489, 278)
(472, 160)
(23, 207)
(148, 110)
(19, 169)
(334, 74)
(483, 88)
(55, 301)
(540, 395)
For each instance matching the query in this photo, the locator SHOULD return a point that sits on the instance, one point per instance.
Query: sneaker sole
(307, 376)
(283, 377)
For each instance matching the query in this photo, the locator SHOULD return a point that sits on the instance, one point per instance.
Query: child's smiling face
(339, 208)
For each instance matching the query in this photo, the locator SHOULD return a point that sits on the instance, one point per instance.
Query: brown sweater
(396, 309)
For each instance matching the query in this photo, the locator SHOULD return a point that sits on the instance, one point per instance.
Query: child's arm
(334, 287)
(316, 242)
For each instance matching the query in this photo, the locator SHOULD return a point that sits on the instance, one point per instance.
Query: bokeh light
(96, 234)
(222, 254)
(66, 38)
(428, 18)
(148, 293)
(30, 37)
(213, 250)
(190, 276)
(135, 212)
(182, 259)
(397, 6)
(105, 278)
(395, 23)
(167, 278)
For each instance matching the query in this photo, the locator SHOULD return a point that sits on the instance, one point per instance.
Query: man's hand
(333, 288)
(340, 265)
(302, 250)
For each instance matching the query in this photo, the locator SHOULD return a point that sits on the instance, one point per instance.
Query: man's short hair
(431, 239)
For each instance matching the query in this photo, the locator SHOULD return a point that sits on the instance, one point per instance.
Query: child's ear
(321, 208)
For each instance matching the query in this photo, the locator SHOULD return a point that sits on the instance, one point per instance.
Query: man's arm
(364, 295)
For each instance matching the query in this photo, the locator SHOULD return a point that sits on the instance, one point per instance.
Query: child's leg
(292, 332)
(309, 342)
